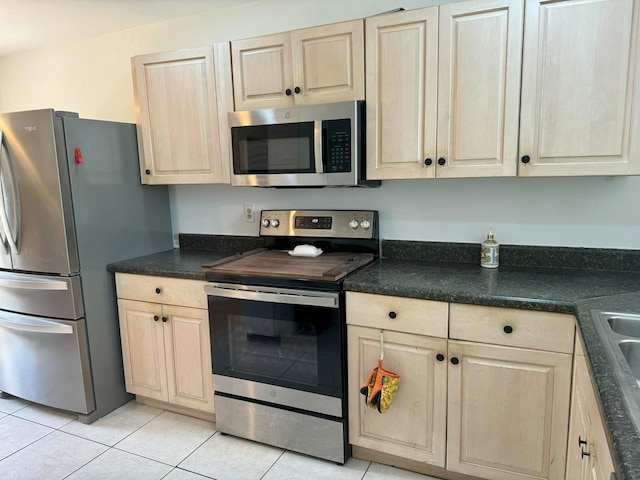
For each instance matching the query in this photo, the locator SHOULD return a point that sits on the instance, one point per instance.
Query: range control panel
(319, 223)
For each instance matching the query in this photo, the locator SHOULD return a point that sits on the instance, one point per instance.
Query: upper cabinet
(182, 100)
(580, 97)
(443, 90)
(309, 66)
(580, 94)
(446, 98)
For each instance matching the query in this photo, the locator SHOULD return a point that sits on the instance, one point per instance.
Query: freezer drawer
(46, 295)
(46, 361)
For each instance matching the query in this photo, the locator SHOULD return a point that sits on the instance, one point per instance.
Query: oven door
(277, 345)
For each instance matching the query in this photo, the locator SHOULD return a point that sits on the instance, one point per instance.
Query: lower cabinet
(489, 398)
(508, 411)
(165, 346)
(415, 425)
(588, 455)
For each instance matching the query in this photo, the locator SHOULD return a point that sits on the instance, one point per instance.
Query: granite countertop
(427, 272)
(195, 251)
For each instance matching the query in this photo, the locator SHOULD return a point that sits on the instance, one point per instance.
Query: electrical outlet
(249, 214)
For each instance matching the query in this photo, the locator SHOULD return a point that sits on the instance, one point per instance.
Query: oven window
(291, 346)
(262, 149)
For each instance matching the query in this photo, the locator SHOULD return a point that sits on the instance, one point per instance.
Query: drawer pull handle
(455, 360)
(158, 290)
(392, 314)
(508, 329)
(440, 357)
(156, 318)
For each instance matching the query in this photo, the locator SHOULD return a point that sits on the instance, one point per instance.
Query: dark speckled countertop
(572, 281)
(195, 251)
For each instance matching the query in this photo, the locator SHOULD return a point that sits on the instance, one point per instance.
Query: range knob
(266, 222)
(354, 224)
(275, 222)
(365, 224)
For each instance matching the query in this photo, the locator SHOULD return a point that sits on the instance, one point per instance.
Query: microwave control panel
(337, 150)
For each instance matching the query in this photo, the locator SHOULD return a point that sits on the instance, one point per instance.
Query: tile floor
(141, 442)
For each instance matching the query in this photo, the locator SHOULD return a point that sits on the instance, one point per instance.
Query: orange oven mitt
(380, 388)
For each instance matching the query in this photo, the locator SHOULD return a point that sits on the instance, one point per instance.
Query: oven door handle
(274, 295)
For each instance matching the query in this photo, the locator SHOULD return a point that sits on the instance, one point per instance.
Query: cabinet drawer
(170, 291)
(408, 315)
(512, 327)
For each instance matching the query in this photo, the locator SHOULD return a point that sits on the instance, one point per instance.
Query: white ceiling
(34, 23)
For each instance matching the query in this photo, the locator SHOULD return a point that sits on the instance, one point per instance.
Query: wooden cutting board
(278, 263)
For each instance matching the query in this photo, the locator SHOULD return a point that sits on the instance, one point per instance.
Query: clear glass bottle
(490, 252)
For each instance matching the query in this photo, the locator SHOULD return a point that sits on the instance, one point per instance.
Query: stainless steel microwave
(306, 146)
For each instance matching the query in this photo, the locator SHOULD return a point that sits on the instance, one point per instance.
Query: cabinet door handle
(508, 329)
(455, 360)
(156, 318)
(297, 90)
(440, 357)
(584, 454)
(287, 92)
(147, 171)
(165, 319)
(428, 161)
(441, 161)
(392, 315)
(526, 159)
(581, 441)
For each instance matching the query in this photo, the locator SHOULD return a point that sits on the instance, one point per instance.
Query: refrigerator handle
(3, 234)
(12, 239)
(26, 283)
(36, 325)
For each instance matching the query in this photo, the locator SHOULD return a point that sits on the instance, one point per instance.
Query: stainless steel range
(278, 330)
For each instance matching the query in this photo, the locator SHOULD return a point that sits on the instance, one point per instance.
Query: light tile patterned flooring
(141, 442)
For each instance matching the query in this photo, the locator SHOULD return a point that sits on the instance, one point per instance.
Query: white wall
(93, 77)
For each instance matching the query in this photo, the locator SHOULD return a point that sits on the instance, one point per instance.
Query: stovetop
(348, 240)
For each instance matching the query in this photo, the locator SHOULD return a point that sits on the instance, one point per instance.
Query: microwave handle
(317, 147)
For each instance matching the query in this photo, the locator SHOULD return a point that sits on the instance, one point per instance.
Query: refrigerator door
(38, 195)
(46, 361)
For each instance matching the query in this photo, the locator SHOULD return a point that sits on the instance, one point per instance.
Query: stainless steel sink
(631, 352)
(628, 325)
(620, 335)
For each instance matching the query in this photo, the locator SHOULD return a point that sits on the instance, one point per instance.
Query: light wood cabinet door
(188, 354)
(591, 439)
(580, 112)
(328, 63)
(182, 100)
(143, 348)
(167, 352)
(508, 412)
(480, 54)
(262, 72)
(578, 465)
(415, 425)
(309, 66)
(401, 85)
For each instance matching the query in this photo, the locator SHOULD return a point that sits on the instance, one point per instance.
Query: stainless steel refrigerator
(72, 202)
